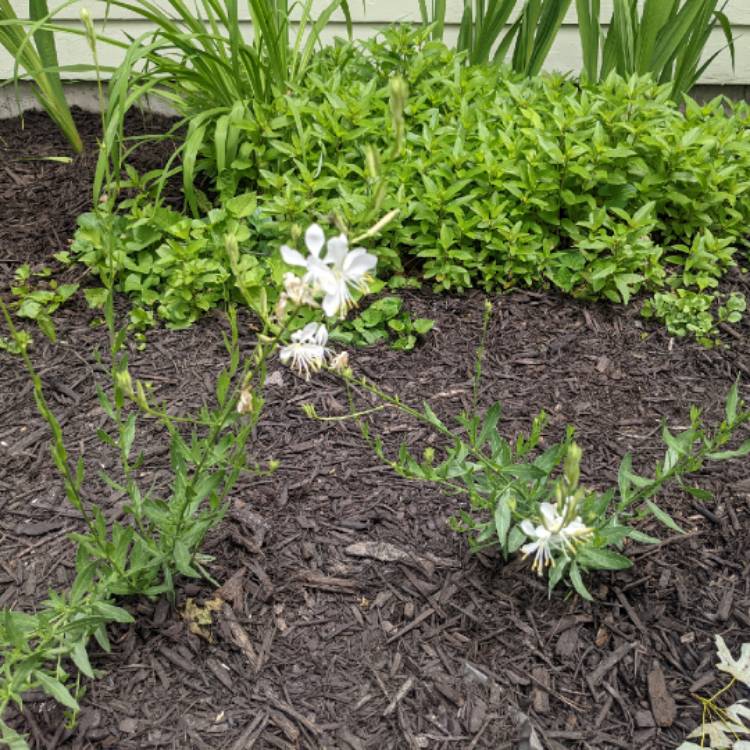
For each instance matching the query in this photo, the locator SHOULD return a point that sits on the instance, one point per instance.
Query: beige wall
(565, 55)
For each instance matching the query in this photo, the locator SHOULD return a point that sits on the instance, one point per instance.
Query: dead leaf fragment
(233, 590)
(199, 618)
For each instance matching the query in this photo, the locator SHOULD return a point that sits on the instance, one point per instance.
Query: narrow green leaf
(113, 613)
(577, 581)
(699, 494)
(11, 738)
(81, 659)
(663, 517)
(740, 452)
(502, 519)
(602, 559)
(55, 689)
(730, 407)
(556, 572)
(639, 536)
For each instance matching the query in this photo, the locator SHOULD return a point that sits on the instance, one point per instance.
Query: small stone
(477, 715)
(567, 643)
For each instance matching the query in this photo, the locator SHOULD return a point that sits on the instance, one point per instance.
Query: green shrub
(603, 190)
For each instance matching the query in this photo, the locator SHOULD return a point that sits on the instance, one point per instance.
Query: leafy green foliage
(661, 37)
(521, 492)
(483, 24)
(170, 263)
(39, 303)
(163, 532)
(383, 320)
(604, 191)
(687, 312)
(199, 61)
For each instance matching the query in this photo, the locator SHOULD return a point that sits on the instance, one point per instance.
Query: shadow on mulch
(445, 650)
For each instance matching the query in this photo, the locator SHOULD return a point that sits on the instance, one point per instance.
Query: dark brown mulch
(447, 650)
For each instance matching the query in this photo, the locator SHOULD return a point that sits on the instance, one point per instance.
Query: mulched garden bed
(445, 650)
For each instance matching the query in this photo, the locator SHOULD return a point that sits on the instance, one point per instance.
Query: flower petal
(315, 239)
(319, 273)
(550, 517)
(321, 336)
(338, 248)
(529, 548)
(306, 334)
(357, 263)
(292, 257)
(333, 303)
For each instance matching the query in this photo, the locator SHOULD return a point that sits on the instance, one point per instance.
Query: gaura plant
(164, 530)
(528, 500)
(159, 539)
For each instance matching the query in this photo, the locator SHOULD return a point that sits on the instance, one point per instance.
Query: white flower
(340, 363)
(540, 546)
(337, 274)
(307, 352)
(298, 290)
(341, 271)
(314, 241)
(552, 534)
(245, 402)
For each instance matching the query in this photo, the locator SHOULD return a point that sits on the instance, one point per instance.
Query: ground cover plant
(163, 535)
(528, 499)
(605, 191)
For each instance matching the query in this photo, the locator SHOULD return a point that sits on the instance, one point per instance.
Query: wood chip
(174, 658)
(233, 590)
(316, 580)
(540, 695)
(220, 672)
(251, 733)
(240, 638)
(606, 665)
(294, 714)
(39, 528)
(384, 552)
(725, 605)
(400, 695)
(420, 618)
(662, 703)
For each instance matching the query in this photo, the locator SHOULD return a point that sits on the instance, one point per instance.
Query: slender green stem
(70, 479)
